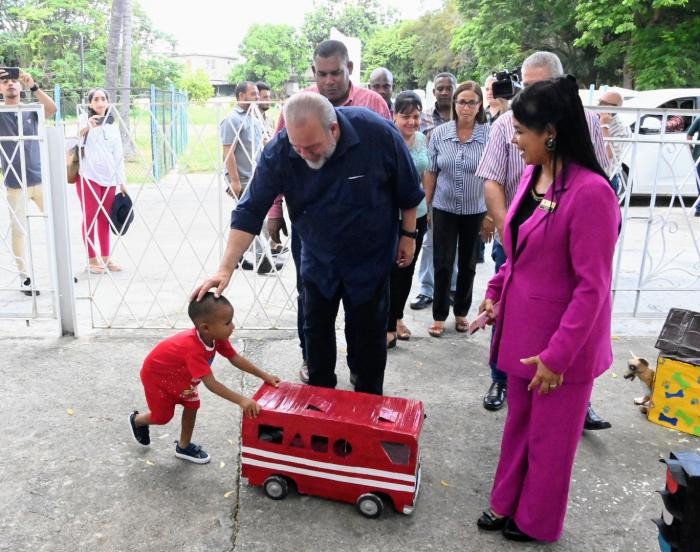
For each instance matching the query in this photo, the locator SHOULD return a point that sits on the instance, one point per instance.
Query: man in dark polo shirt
(345, 173)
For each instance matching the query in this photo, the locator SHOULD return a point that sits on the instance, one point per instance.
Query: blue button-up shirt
(347, 212)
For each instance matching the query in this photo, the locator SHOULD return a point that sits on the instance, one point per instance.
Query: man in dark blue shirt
(346, 173)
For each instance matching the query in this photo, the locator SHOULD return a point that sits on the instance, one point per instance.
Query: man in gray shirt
(242, 139)
(21, 185)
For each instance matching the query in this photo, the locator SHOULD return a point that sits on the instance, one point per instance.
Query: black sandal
(490, 522)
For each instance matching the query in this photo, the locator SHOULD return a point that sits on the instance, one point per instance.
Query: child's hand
(250, 408)
(272, 380)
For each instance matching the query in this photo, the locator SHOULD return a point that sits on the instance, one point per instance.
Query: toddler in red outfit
(172, 371)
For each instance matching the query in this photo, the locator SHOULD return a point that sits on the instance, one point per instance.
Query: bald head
(382, 82)
(610, 98)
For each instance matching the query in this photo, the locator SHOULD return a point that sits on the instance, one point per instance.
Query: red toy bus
(352, 447)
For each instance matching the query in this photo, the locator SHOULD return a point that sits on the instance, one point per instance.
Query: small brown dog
(639, 368)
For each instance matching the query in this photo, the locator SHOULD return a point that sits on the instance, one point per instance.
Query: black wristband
(409, 234)
(34, 88)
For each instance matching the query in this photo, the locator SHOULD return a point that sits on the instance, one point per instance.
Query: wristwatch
(34, 88)
(409, 234)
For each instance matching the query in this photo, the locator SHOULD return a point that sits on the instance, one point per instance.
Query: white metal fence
(182, 222)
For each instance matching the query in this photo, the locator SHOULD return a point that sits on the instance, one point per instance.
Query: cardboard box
(676, 397)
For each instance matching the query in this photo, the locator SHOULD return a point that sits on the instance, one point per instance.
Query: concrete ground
(74, 480)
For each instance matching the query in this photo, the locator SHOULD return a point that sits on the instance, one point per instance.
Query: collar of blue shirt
(479, 134)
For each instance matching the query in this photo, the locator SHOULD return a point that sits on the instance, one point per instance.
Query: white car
(661, 160)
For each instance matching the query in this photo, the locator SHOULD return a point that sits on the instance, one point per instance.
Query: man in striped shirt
(502, 166)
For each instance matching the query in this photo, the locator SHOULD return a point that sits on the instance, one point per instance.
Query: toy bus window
(297, 442)
(398, 453)
(270, 434)
(319, 444)
(342, 448)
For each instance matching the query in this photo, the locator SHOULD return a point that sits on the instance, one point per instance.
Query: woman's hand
(544, 378)
(122, 189)
(93, 121)
(487, 305)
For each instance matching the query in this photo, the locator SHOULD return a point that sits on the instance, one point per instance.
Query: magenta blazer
(554, 289)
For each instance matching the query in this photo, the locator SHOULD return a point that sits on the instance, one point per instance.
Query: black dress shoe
(489, 522)
(594, 422)
(421, 302)
(265, 266)
(304, 372)
(495, 397)
(511, 532)
(246, 265)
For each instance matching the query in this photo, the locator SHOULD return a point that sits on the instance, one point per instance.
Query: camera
(507, 83)
(11, 73)
(99, 120)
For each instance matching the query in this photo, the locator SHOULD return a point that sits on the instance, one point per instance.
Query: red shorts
(162, 403)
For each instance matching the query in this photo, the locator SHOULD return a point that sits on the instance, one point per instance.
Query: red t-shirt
(176, 365)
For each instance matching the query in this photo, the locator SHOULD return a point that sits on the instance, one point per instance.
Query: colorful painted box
(676, 397)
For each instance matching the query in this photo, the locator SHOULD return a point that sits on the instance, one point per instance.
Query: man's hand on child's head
(250, 408)
(272, 380)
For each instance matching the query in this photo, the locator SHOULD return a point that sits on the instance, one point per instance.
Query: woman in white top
(101, 171)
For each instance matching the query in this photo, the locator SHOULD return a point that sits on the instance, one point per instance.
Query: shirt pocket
(359, 192)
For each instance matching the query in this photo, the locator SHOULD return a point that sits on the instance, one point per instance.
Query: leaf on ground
(150, 463)
(221, 464)
(419, 364)
(230, 441)
(615, 337)
(228, 494)
(614, 375)
(70, 411)
(444, 483)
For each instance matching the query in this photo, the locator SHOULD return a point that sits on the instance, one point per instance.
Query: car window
(398, 453)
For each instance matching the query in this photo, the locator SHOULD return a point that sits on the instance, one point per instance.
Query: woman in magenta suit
(554, 308)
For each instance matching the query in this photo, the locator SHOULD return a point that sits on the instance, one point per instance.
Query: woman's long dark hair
(557, 103)
(91, 111)
(407, 102)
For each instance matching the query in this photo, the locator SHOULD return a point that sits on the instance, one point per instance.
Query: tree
(355, 18)
(656, 41)
(415, 50)
(196, 84)
(501, 33)
(272, 53)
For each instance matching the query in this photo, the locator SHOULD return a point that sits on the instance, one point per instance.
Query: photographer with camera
(496, 106)
(21, 187)
(502, 166)
(101, 172)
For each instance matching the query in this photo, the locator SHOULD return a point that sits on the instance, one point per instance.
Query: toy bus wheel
(370, 505)
(276, 487)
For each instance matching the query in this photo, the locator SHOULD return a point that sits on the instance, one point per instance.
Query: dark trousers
(498, 255)
(454, 234)
(401, 279)
(365, 333)
(296, 255)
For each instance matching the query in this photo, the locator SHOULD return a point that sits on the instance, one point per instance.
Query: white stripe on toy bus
(328, 466)
(374, 483)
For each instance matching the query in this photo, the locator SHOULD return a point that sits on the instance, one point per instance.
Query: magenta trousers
(539, 444)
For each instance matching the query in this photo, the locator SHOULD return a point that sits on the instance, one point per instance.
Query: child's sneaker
(192, 452)
(140, 433)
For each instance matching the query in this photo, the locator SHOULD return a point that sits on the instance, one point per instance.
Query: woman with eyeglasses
(101, 172)
(456, 195)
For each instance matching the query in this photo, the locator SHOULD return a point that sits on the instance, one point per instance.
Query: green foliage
(355, 18)
(415, 50)
(43, 37)
(654, 42)
(273, 53)
(196, 84)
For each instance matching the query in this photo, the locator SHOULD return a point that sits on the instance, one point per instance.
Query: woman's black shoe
(489, 522)
(511, 532)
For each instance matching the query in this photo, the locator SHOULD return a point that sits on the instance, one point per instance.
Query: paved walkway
(74, 480)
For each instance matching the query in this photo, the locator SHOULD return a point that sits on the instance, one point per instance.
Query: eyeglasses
(471, 104)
